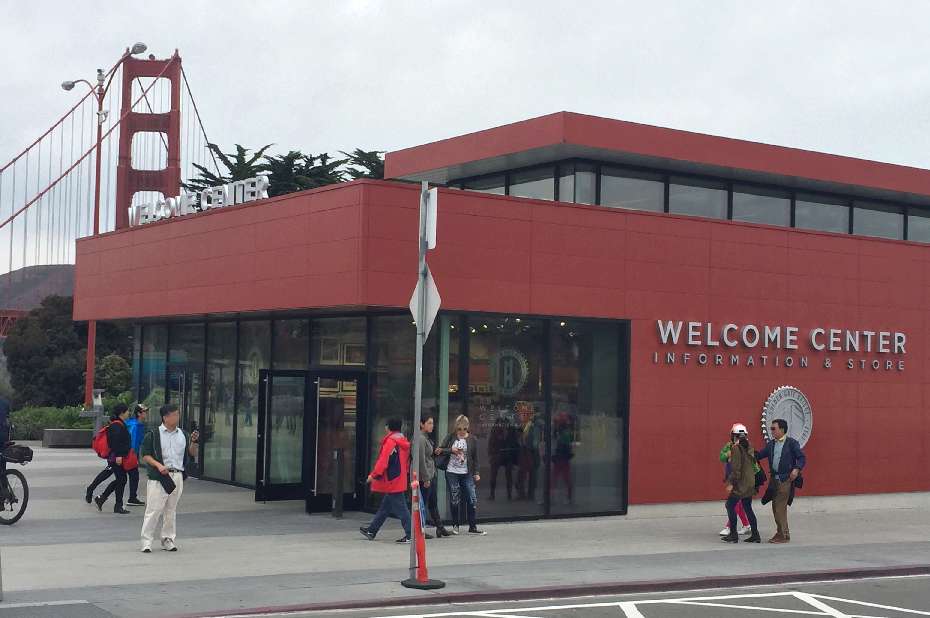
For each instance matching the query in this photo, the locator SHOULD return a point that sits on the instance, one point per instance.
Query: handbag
(442, 461)
(130, 461)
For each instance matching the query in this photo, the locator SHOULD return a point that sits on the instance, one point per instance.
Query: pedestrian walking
(460, 453)
(120, 447)
(786, 460)
(168, 452)
(426, 471)
(741, 484)
(389, 476)
(136, 427)
(725, 458)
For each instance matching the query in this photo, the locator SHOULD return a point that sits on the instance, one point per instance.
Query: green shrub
(30, 422)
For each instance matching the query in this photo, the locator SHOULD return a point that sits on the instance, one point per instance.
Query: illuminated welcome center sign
(237, 192)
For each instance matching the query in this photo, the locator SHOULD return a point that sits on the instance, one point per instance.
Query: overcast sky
(843, 77)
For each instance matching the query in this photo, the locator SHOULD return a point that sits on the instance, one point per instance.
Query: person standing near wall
(426, 471)
(786, 460)
(460, 448)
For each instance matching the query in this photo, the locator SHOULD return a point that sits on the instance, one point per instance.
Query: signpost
(424, 305)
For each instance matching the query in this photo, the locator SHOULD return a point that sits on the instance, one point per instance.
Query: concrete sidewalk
(237, 554)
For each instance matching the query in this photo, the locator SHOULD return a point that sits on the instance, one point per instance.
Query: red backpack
(101, 444)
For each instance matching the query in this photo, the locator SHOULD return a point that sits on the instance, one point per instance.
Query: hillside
(25, 288)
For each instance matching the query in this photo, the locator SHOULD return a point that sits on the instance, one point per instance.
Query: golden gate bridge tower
(130, 139)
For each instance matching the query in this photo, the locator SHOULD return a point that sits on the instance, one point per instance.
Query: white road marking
(44, 604)
(751, 607)
(875, 605)
(828, 611)
(630, 610)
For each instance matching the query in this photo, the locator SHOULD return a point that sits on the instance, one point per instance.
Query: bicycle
(14, 490)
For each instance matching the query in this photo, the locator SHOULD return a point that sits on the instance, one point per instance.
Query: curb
(580, 590)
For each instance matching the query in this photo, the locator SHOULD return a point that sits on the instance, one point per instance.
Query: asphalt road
(879, 597)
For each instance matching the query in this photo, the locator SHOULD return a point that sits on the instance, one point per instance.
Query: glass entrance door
(281, 471)
(338, 402)
(184, 389)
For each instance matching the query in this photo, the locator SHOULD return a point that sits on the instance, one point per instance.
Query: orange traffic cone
(421, 580)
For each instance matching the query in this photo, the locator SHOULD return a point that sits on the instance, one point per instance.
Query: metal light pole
(99, 93)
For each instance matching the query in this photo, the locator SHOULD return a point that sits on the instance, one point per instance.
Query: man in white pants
(167, 451)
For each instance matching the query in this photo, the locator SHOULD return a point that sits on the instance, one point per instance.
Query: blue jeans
(392, 505)
(463, 486)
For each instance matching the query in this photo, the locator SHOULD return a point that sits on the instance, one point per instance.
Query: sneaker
(135, 502)
(476, 531)
(121, 511)
(146, 550)
(455, 530)
(441, 532)
(744, 530)
(367, 534)
(428, 536)
(88, 496)
(725, 531)
(405, 539)
(168, 545)
(99, 503)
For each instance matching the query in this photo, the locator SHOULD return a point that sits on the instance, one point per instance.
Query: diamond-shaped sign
(433, 301)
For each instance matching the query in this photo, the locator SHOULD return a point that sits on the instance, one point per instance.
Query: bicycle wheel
(15, 498)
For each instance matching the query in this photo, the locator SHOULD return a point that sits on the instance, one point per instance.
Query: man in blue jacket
(786, 460)
(136, 427)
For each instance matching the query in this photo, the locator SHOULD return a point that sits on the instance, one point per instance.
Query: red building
(614, 297)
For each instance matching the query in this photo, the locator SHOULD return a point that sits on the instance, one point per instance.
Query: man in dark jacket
(390, 476)
(120, 444)
(786, 460)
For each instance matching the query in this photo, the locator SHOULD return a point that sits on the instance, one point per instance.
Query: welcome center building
(614, 297)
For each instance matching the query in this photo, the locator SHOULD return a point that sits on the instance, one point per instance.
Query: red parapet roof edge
(594, 132)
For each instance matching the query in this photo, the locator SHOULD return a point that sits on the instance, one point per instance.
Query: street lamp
(100, 92)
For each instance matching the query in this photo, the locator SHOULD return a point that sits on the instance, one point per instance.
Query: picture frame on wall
(353, 354)
(329, 351)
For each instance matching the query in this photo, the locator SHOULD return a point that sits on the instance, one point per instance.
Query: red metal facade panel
(299, 250)
(355, 245)
(651, 141)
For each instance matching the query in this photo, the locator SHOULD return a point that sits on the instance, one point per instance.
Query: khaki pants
(159, 505)
(780, 507)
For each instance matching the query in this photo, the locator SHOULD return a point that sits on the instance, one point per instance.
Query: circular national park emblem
(789, 403)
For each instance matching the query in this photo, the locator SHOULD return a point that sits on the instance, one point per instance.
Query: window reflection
(218, 421)
(506, 406)
(489, 184)
(878, 220)
(254, 355)
(291, 344)
(918, 227)
(538, 183)
(757, 205)
(338, 341)
(578, 183)
(821, 213)
(697, 198)
(628, 189)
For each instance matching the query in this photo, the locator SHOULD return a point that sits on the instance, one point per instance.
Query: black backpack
(393, 467)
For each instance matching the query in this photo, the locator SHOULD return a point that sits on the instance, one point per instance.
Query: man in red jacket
(390, 477)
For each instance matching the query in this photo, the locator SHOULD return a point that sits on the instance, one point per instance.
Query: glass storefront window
(697, 198)
(291, 344)
(507, 412)
(537, 183)
(217, 432)
(823, 214)
(577, 183)
(185, 373)
(254, 355)
(757, 205)
(338, 341)
(587, 420)
(878, 220)
(628, 189)
(152, 369)
(918, 226)
(489, 184)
